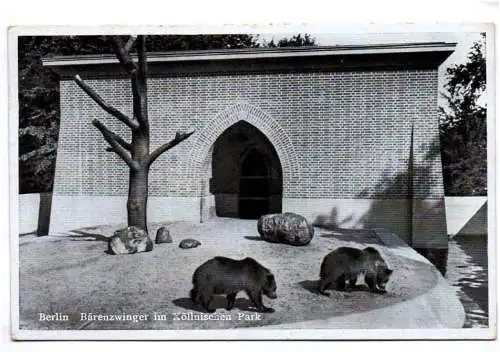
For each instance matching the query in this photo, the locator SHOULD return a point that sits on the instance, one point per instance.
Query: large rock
(189, 243)
(130, 240)
(286, 228)
(163, 236)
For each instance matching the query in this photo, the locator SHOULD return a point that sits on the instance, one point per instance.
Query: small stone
(163, 236)
(189, 243)
(130, 240)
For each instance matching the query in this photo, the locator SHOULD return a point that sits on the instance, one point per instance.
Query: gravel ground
(72, 274)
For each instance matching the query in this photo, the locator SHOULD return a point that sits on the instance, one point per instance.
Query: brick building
(346, 136)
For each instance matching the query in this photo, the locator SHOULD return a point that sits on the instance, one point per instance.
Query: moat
(467, 271)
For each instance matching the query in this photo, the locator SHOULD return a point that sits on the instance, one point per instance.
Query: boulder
(130, 240)
(288, 228)
(189, 243)
(163, 236)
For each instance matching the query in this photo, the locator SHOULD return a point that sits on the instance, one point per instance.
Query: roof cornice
(262, 60)
(256, 53)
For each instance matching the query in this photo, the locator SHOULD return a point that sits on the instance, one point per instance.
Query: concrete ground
(71, 274)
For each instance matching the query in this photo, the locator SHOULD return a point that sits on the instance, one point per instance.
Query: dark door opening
(255, 186)
(246, 174)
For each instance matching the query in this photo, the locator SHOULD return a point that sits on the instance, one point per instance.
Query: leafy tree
(295, 40)
(463, 126)
(157, 43)
(38, 117)
(39, 105)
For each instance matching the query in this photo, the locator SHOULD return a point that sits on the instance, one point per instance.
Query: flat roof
(258, 53)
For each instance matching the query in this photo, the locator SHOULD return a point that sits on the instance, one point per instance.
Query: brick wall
(337, 134)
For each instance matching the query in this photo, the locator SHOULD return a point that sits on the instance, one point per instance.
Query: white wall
(29, 205)
(75, 212)
(466, 215)
(391, 214)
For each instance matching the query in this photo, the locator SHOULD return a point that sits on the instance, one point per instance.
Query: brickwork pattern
(337, 134)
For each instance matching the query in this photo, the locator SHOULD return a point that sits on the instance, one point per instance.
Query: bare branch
(124, 56)
(141, 55)
(179, 137)
(115, 145)
(109, 109)
(137, 105)
(118, 139)
(138, 79)
(130, 43)
(139, 84)
(122, 142)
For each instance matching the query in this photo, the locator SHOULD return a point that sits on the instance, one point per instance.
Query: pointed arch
(203, 140)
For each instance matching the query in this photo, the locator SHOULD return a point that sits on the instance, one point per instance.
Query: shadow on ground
(253, 238)
(365, 237)
(85, 235)
(312, 287)
(68, 275)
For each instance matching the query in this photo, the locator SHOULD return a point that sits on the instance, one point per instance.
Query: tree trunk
(138, 180)
(138, 197)
(136, 153)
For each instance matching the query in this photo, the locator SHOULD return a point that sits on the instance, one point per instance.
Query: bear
(226, 276)
(346, 263)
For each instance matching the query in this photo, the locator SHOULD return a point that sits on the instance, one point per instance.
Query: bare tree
(135, 154)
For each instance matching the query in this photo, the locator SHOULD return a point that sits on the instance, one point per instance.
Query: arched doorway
(246, 173)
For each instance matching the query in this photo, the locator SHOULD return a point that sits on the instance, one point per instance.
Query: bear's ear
(388, 271)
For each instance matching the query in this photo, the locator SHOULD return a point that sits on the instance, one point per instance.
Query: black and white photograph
(267, 183)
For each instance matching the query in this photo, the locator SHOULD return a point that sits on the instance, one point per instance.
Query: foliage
(295, 40)
(463, 126)
(38, 116)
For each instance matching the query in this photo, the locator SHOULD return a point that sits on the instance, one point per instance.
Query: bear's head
(383, 276)
(269, 287)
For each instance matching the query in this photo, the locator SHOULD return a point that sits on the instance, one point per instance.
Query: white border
(239, 333)
(269, 28)
(492, 149)
(260, 334)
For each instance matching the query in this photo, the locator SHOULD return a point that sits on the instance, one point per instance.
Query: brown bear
(346, 263)
(226, 276)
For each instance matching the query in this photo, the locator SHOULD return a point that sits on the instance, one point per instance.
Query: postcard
(263, 183)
